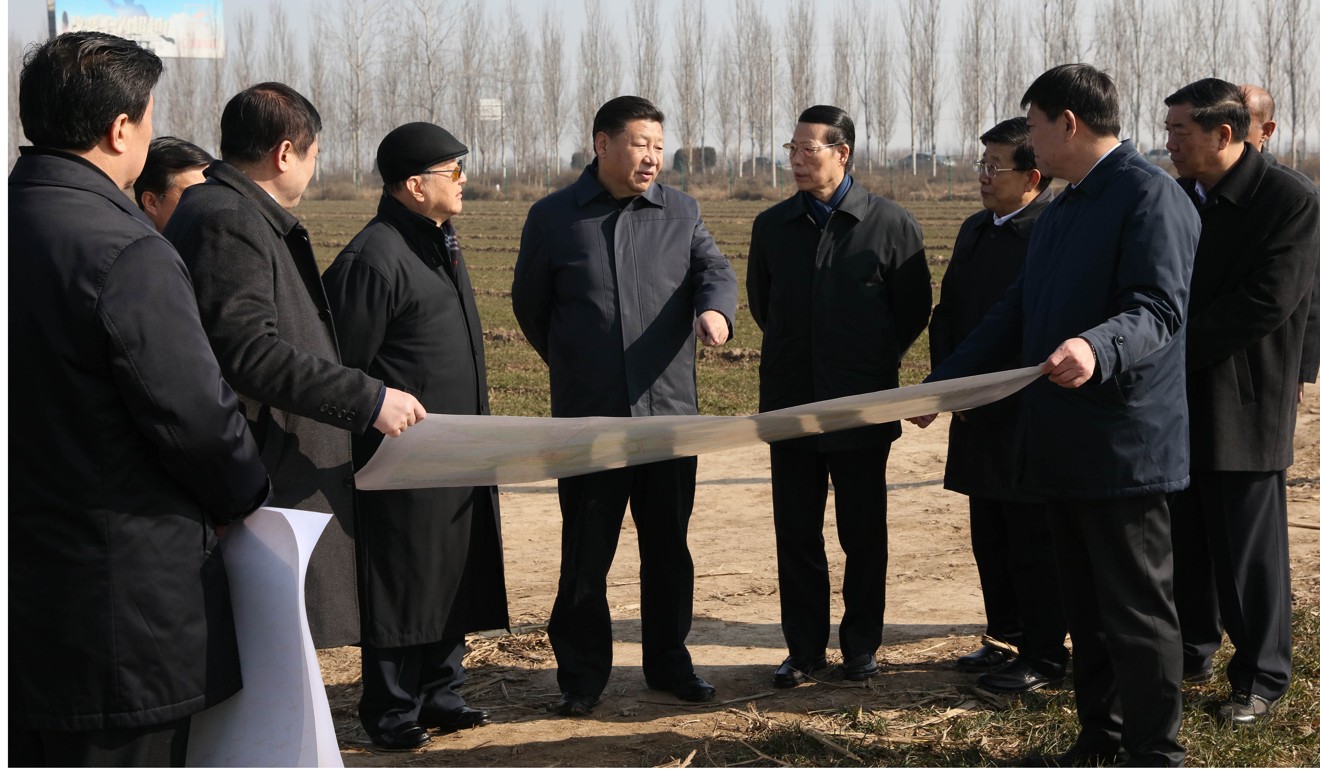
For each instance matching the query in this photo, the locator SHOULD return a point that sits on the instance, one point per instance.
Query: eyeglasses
(990, 170)
(807, 150)
(454, 173)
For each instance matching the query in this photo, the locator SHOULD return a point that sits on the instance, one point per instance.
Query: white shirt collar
(1000, 221)
(1201, 191)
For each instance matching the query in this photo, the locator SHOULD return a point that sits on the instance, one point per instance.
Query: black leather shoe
(1198, 673)
(461, 718)
(575, 704)
(1242, 708)
(405, 737)
(1076, 756)
(985, 659)
(860, 667)
(793, 672)
(690, 688)
(1016, 677)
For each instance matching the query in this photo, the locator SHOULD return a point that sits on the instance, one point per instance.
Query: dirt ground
(934, 613)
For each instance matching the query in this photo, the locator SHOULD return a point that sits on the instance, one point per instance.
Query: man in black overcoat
(429, 560)
(1010, 530)
(129, 450)
(266, 314)
(838, 282)
(1250, 291)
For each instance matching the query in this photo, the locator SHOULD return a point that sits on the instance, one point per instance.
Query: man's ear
(600, 141)
(1267, 130)
(1032, 179)
(284, 156)
(1069, 123)
(116, 136)
(150, 202)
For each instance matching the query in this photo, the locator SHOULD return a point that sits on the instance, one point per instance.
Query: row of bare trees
(515, 86)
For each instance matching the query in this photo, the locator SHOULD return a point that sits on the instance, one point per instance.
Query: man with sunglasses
(405, 312)
(838, 282)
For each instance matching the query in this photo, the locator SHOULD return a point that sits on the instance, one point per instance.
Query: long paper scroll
(457, 450)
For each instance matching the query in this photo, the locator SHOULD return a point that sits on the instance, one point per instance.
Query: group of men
(189, 376)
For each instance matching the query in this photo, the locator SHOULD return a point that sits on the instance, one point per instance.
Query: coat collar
(1022, 220)
(56, 168)
(1238, 186)
(588, 188)
(854, 203)
(281, 219)
(1103, 173)
(424, 237)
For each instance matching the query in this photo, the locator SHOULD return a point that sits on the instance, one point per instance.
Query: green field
(519, 381)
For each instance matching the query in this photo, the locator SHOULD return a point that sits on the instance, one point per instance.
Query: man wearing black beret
(429, 560)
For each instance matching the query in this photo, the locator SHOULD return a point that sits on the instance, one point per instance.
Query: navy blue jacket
(607, 291)
(1109, 261)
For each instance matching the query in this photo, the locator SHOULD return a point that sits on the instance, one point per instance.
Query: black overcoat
(1251, 288)
(838, 307)
(265, 311)
(986, 260)
(430, 562)
(126, 449)
(1310, 365)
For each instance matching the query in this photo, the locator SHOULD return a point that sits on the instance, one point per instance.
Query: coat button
(324, 408)
(348, 482)
(1120, 339)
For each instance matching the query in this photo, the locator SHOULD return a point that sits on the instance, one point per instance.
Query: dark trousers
(399, 683)
(1232, 566)
(153, 746)
(660, 495)
(1020, 580)
(1116, 570)
(799, 486)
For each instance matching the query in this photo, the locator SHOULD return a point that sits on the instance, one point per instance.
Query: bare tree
(472, 54)
(647, 62)
(1124, 36)
(552, 82)
(243, 52)
(598, 71)
(973, 82)
(686, 71)
(859, 14)
(728, 101)
(515, 91)
(914, 71)
(800, 27)
(319, 78)
(1269, 41)
(281, 60)
(760, 81)
(880, 102)
(1010, 63)
(1058, 36)
(181, 90)
(697, 11)
(927, 90)
(355, 35)
(428, 37)
(1296, 68)
(846, 35)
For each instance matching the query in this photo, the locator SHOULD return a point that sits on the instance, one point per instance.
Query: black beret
(415, 147)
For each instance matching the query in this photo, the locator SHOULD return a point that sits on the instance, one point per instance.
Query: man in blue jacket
(1101, 301)
(613, 275)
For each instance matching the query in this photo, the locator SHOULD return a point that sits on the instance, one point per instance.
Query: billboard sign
(170, 28)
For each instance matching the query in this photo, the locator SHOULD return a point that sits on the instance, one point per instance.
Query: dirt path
(934, 613)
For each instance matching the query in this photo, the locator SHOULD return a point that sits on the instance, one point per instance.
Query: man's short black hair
(1085, 90)
(839, 127)
(615, 115)
(73, 86)
(1215, 103)
(1013, 132)
(168, 157)
(258, 118)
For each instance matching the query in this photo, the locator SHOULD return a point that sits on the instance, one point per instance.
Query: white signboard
(170, 28)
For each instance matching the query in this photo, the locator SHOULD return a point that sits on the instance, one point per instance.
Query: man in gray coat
(612, 276)
(268, 320)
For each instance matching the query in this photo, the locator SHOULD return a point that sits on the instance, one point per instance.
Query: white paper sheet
(281, 717)
(457, 450)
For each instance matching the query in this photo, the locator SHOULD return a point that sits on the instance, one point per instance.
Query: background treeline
(918, 75)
